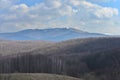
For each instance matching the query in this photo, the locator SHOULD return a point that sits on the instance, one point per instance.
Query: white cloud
(53, 3)
(106, 12)
(55, 13)
(6, 3)
(74, 2)
(66, 10)
(97, 10)
(22, 8)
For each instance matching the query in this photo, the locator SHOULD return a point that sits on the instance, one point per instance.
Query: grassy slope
(36, 77)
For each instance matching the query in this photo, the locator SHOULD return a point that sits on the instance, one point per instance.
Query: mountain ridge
(51, 34)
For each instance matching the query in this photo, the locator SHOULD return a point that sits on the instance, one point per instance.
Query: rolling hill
(88, 58)
(8, 47)
(55, 34)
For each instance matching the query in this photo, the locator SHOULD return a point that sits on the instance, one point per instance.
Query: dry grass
(35, 76)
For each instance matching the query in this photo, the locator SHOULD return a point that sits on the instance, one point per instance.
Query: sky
(97, 16)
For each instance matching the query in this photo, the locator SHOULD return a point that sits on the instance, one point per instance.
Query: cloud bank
(81, 14)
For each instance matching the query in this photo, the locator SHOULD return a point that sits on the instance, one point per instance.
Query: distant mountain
(53, 34)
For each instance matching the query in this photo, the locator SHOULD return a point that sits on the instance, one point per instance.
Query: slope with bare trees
(89, 58)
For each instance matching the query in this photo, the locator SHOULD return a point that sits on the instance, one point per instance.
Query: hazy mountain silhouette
(54, 34)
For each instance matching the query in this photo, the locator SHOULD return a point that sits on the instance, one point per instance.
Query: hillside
(55, 34)
(35, 77)
(79, 46)
(91, 58)
(8, 47)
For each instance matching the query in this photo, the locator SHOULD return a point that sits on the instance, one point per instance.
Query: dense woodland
(89, 58)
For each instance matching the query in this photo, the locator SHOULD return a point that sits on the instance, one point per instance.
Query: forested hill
(91, 58)
(8, 47)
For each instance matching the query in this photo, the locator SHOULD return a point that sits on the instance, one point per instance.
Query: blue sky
(114, 4)
(30, 2)
(99, 16)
